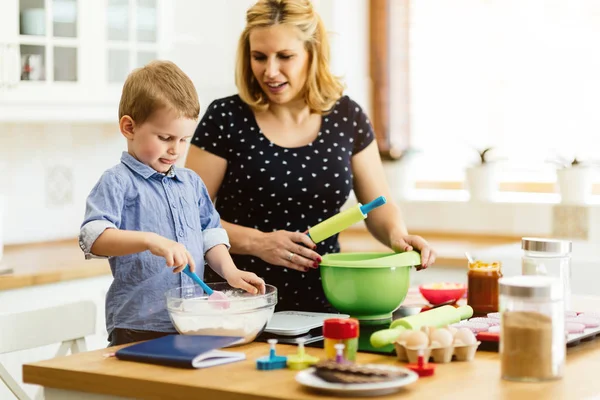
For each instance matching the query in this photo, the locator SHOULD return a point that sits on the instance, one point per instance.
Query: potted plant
(482, 178)
(574, 178)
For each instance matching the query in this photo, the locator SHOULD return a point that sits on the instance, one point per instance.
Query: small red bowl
(443, 294)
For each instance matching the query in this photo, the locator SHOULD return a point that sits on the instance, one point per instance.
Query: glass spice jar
(548, 257)
(532, 328)
(482, 293)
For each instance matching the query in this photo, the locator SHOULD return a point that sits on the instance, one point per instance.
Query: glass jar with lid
(548, 257)
(482, 294)
(532, 328)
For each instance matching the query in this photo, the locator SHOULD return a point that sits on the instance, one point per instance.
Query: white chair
(67, 324)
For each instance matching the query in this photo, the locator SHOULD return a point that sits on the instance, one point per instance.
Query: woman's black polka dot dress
(269, 188)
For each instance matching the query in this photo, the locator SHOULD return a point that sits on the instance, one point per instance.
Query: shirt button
(173, 205)
(180, 234)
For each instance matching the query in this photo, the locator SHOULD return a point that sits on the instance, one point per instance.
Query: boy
(146, 214)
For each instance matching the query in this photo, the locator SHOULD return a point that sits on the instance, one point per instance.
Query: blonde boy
(145, 214)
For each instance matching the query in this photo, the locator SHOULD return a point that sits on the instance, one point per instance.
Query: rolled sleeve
(213, 237)
(103, 211)
(88, 235)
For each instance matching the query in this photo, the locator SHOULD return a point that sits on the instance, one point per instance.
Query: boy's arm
(103, 212)
(116, 242)
(100, 235)
(220, 261)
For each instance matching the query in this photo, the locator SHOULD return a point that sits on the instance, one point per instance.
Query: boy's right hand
(175, 254)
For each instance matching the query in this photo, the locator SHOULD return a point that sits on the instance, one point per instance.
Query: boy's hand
(248, 281)
(175, 254)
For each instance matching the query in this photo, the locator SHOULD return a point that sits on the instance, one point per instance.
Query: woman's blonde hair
(322, 88)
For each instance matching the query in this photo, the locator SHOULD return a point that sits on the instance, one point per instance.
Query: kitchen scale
(289, 326)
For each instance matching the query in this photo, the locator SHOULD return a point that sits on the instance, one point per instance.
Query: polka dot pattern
(269, 187)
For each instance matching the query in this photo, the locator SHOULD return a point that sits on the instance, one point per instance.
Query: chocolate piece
(331, 371)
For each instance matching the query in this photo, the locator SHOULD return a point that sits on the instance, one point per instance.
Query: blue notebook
(183, 351)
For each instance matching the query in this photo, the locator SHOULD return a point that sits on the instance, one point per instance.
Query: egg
(417, 340)
(464, 337)
(403, 337)
(452, 329)
(441, 338)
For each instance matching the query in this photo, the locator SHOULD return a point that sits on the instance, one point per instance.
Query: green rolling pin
(343, 220)
(437, 317)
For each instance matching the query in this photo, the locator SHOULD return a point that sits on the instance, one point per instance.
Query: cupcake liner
(570, 314)
(488, 321)
(574, 327)
(589, 322)
(475, 327)
(494, 329)
(591, 314)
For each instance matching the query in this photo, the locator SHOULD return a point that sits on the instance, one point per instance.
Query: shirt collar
(144, 170)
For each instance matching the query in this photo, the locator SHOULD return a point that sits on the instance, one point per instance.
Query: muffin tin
(427, 341)
(580, 326)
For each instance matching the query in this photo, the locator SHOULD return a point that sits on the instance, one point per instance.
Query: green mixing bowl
(368, 286)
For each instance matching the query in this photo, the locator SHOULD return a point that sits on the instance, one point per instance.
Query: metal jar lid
(546, 245)
(532, 287)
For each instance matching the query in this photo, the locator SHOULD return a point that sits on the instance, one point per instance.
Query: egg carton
(435, 352)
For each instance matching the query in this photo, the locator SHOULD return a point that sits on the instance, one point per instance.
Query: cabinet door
(9, 66)
(71, 57)
(132, 37)
(49, 42)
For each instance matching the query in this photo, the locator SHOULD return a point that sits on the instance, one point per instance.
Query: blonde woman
(285, 152)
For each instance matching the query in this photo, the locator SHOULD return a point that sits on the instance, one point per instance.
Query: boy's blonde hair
(322, 88)
(160, 84)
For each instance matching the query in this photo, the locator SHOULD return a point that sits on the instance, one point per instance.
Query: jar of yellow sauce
(344, 331)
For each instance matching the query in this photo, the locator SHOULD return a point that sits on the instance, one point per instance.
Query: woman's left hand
(414, 242)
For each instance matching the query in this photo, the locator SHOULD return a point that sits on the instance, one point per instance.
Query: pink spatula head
(219, 299)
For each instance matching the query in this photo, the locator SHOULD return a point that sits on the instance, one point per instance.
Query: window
(522, 76)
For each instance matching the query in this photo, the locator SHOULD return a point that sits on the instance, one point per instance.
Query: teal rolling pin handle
(197, 279)
(350, 217)
(378, 202)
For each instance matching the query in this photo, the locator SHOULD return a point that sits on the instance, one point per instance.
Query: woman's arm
(385, 223)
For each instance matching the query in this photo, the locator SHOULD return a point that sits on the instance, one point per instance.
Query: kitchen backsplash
(49, 170)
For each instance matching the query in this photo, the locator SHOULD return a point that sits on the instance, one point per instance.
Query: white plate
(308, 378)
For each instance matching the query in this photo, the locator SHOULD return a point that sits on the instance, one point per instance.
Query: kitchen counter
(50, 262)
(43, 263)
(92, 375)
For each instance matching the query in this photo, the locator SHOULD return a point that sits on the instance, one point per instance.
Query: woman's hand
(414, 242)
(288, 249)
(175, 254)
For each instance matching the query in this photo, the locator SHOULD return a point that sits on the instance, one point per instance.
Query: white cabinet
(66, 60)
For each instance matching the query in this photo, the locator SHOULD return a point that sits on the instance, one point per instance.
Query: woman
(284, 154)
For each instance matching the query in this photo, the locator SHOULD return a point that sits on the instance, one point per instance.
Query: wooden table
(93, 376)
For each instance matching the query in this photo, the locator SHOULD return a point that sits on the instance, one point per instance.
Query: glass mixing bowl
(241, 314)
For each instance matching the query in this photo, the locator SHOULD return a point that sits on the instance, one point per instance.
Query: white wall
(50, 168)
